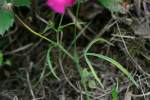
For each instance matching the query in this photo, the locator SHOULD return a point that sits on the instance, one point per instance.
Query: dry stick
(75, 20)
(76, 89)
(140, 95)
(109, 92)
(41, 19)
(30, 86)
(124, 88)
(106, 27)
(137, 65)
(137, 4)
(19, 49)
(61, 67)
(12, 32)
(79, 34)
(141, 86)
(124, 36)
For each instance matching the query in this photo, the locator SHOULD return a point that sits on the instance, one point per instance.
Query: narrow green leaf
(114, 93)
(6, 20)
(118, 65)
(93, 72)
(1, 58)
(92, 84)
(101, 40)
(50, 64)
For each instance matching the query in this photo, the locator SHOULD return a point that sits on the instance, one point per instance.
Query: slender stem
(45, 38)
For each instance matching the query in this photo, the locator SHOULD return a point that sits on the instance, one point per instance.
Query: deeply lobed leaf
(6, 21)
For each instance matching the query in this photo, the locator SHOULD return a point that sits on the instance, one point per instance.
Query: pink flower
(60, 5)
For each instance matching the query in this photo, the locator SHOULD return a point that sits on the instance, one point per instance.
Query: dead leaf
(141, 28)
(128, 96)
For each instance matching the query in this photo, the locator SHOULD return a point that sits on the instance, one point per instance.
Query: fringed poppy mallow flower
(59, 6)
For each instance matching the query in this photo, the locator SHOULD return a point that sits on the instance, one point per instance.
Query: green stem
(45, 38)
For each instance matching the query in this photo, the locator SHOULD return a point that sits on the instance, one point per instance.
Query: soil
(26, 74)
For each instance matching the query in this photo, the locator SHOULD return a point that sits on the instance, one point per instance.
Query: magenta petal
(59, 9)
(70, 2)
(57, 6)
(60, 5)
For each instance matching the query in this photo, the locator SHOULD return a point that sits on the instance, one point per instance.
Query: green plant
(4, 62)
(113, 5)
(114, 93)
(88, 81)
(87, 77)
(108, 59)
(50, 64)
(6, 13)
(1, 58)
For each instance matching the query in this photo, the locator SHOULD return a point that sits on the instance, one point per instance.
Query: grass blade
(93, 72)
(50, 64)
(118, 65)
(88, 61)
